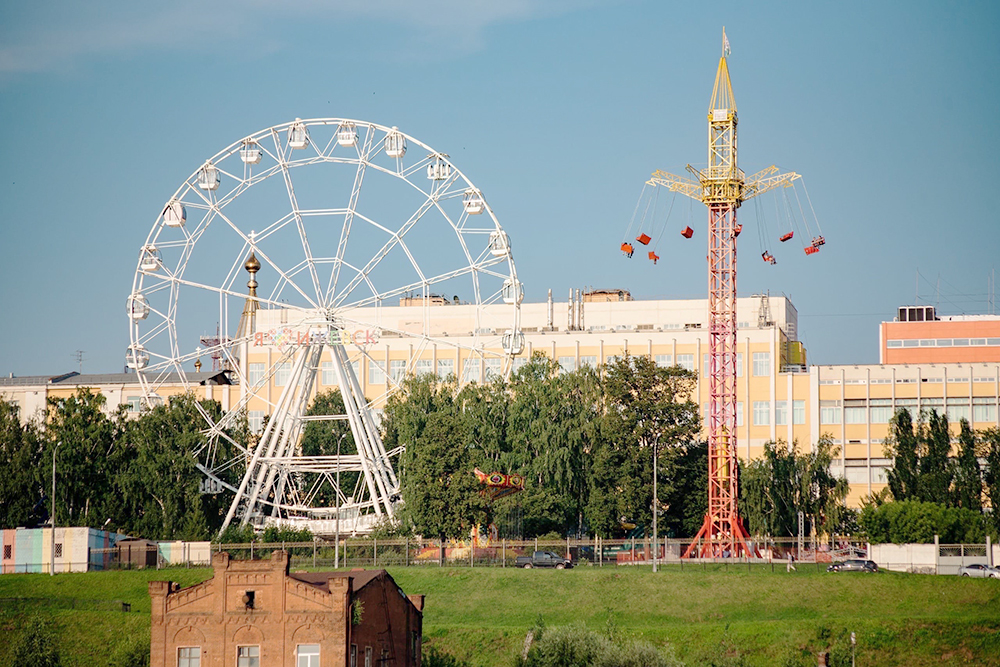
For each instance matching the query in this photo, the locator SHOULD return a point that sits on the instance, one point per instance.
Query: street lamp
(52, 537)
(336, 548)
(655, 505)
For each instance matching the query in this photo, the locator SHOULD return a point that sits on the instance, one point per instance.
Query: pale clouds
(48, 35)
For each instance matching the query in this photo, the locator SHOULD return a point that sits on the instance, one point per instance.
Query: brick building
(257, 614)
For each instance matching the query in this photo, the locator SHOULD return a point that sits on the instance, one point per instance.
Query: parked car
(854, 565)
(979, 570)
(543, 559)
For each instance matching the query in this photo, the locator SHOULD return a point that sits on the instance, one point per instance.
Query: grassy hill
(709, 616)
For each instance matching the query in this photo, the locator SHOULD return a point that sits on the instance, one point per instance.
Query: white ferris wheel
(368, 255)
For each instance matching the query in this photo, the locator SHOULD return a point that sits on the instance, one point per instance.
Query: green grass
(481, 615)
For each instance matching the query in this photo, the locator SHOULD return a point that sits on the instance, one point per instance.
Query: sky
(558, 110)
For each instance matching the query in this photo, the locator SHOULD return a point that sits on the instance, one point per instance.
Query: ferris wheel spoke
(300, 226)
(395, 239)
(345, 232)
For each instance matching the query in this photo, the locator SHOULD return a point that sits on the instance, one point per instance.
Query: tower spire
(248, 320)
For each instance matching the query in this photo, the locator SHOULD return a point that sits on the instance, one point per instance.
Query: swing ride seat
(736, 230)
(786, 237)
(627, 249)
(811, 250)
(653, 256)
(768, 257)
(818, 241)
(644, 239)
(687, 232)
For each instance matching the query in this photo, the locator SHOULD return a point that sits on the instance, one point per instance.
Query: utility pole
(656, 506)
(336, 548)
(52, 537)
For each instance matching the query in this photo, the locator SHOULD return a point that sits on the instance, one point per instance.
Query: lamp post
(52, 537)
(854, 640)
(655, 504)
(336, 548)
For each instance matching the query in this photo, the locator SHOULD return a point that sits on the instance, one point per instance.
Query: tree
(324, 438)
(902, 446)
(642, 404)
(441, 491)
(968, 478)
(86, 437)
(991, 439)
(913, 521)
(776, 487)
(158, 481)
(936, 471)
(20, 459)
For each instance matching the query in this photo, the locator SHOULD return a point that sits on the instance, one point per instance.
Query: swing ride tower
(722, 187)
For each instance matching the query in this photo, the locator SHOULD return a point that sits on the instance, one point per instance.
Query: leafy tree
(20, 459)
(902, 446)
(968, 479)
(776, 487)
(913, 521)
(991, 439)
(936, 471)
(439, 487)
(321, 438)
(86, 438)
(158, 482)
(643, 404)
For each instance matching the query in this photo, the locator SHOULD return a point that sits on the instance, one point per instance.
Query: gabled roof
(319, 579)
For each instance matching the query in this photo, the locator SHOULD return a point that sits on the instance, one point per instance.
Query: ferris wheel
(367, 256)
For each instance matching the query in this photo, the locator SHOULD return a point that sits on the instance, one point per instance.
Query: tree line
(584, 441)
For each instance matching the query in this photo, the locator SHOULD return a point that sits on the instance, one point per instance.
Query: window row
(944, 342)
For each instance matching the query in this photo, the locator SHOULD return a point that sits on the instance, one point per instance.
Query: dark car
(854, 565)
(543, 559)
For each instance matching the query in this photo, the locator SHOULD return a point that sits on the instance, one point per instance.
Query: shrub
(912, 521)
(36, 645)
(576, 646)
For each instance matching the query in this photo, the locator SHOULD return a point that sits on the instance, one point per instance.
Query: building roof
(319, 579)
(95, 379)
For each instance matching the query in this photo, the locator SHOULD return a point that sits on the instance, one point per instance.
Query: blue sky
(558, 110)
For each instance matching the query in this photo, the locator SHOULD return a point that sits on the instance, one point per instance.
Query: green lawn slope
(710, 615)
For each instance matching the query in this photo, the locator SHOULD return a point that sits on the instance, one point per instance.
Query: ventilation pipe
(548, 321)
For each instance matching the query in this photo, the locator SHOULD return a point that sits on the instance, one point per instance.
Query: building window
(663, 360)
(329, 376)
(686, 361)
(376, 374)
(881, 415)
(255, 373)
(397, 370)
(588, 362)
(354, 655)
(781, 413)
(958, 412)
(739, 364)
(984, 413)
(134, 404)
(610, 359)
(567, 364)
(247, 656)
(854, 415)
(762, 413)
(520, 362)
(255, 420)
(470, 370)
(307, 655)
(761, 364)
(494, 368)
(368, 656)
(829, 412)
(446, 367)
(189, 656)
(739, 413)
(798, 412)
(424, 366)
(281, 373)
